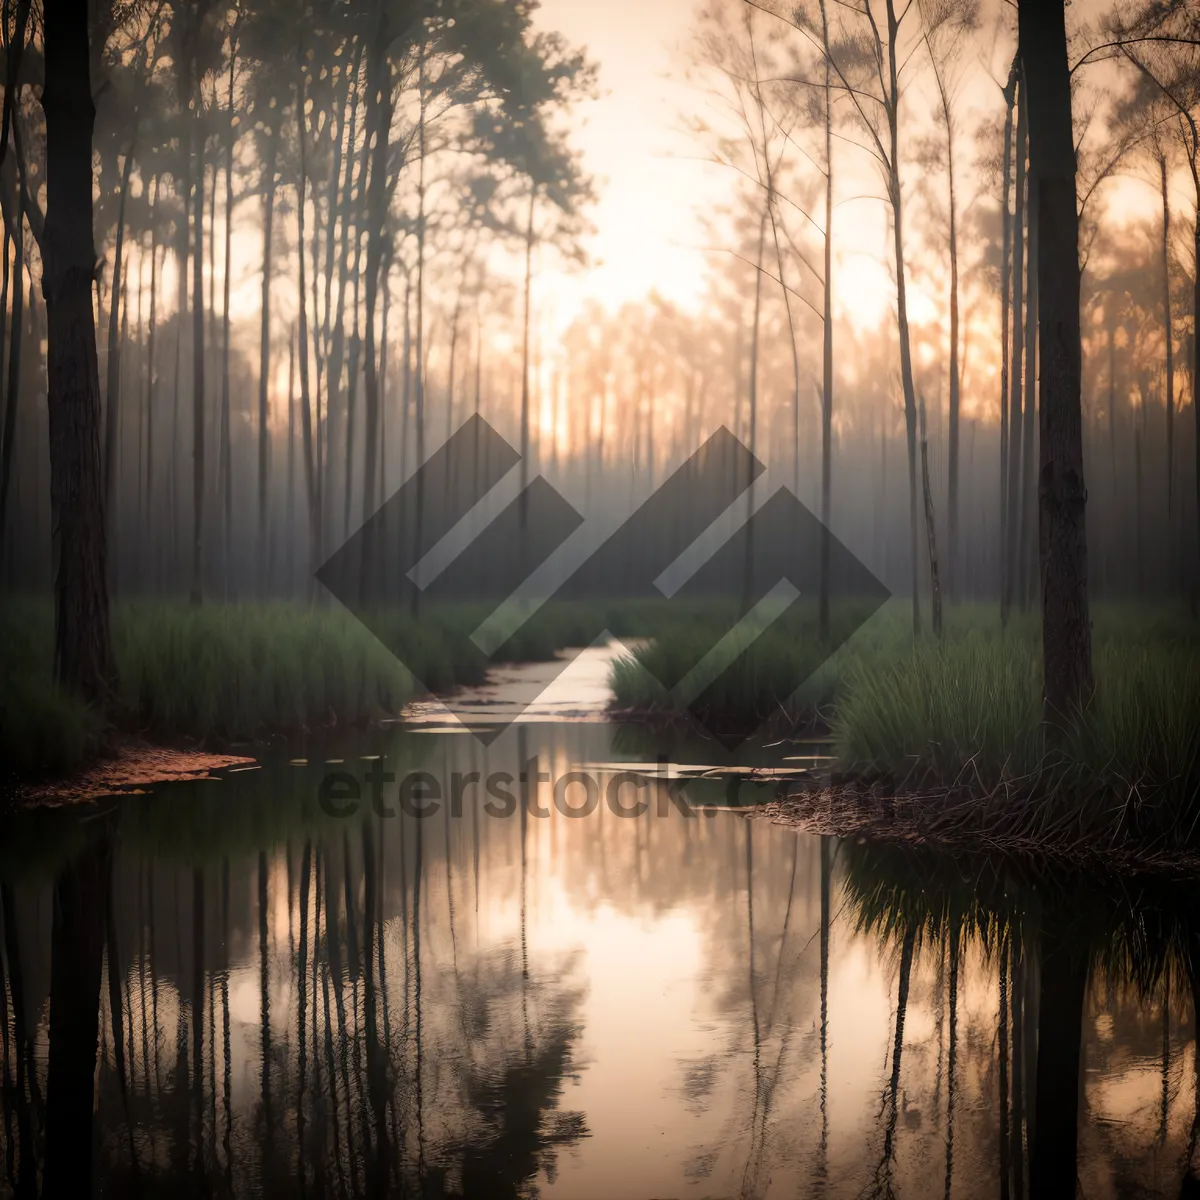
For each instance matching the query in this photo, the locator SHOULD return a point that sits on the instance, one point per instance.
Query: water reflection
(285, 1002)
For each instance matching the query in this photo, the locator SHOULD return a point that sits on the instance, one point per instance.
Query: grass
(966, 709)
(232, 673)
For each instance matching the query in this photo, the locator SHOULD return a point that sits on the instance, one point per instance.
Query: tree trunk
(1027, 555)
(1169, 395)
(406, 386)
(1011, 522)
(82, 644)
(290, 498)
(337, 341)
(1066, 627)
(150, 377)
(935, 583)
(906, 371)
(748, 563)
(352, 367)
(525, 351)
(14, 365)
(379, 101)
(264, 348)
(8, 240)
(112, 394)
(386, 280)
(455, 318)
(1010, 93)
(198, 350)
(1196, 357)
(226, 438)
(952, 572)
(311, 473)
(826, 348)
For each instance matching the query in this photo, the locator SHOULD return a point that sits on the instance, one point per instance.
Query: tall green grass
(230, 673)
(966, 708)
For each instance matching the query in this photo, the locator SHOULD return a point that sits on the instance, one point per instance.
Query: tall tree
(1066, 625)
(1162, 41)
(82, 643)
(1010, 521)
(946, 25)
(226, 435)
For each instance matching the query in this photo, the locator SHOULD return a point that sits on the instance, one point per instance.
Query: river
(300, 987)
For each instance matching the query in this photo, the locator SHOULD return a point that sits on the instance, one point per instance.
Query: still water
(688, 1001)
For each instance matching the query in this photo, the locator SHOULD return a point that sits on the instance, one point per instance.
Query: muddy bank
(1052, 829)
(126, 770)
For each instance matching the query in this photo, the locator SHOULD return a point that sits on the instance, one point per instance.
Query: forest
(318, 240)
(789, 406)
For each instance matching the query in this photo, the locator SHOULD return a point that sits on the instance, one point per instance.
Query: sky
(657, 181)
(655, 186)
(649, 182)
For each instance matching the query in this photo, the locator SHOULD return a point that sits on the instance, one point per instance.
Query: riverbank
(223, 676)
(963, 712)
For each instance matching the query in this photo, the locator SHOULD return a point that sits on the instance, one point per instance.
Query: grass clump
(43, 730)
(964, 710)
(224, 672)
(967, 703)
(236, 672)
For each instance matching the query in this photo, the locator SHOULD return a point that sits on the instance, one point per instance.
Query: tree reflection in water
(270, 1001)
(347, 1096)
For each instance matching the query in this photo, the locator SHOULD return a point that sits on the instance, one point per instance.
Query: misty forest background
(320, 231)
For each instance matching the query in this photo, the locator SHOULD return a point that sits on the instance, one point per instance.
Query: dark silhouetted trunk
(756, 322)
(290, 500)
(955, 370)
(198, 346)
(1016, 379)
(150, 376)
(379, 102)
(311, 474)
(455, 318)
(264, 349)
(1196, 356)
(1169, 395)
(82, 644)
(1026, 548)
(112, 393)
(14, 364)
(525, 352)
(406, 377)
(906, 371)
(386, 288)
(935, 582)
(826, 347)
(1066, 627)
(1010, 94)
(9, 230)
(226, 439)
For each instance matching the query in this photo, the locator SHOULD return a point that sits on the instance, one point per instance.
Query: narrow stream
(306, 987)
